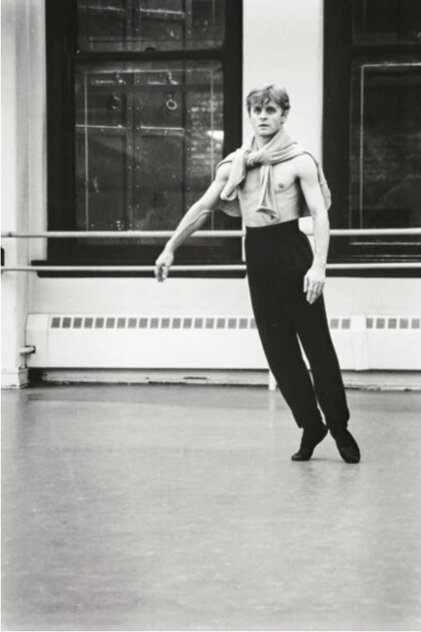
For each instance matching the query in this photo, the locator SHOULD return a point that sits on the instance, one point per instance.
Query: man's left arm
(315, 277)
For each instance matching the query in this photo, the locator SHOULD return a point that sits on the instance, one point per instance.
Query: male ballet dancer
(271, 181)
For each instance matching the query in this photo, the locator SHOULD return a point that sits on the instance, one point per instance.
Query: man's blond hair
(268, 92)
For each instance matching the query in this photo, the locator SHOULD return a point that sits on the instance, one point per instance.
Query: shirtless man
(272, 181)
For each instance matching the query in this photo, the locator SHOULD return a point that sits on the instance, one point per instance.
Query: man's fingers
(164, 271)
(159, 272)
(305, 287)
(314, 291)
(162, 266)
(311, 292)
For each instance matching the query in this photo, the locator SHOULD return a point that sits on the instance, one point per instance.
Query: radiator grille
(151, 322)
(393, 322)
(217, 322)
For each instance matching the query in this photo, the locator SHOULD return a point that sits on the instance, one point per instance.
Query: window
(385, 145)
(372, 110)
(386, 21)
(144, 99)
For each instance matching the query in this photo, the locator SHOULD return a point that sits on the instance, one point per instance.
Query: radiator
(207, 342)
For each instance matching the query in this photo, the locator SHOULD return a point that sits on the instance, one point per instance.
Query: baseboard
(14, 379)
(212, 377)
(383, 380)
(365, 380)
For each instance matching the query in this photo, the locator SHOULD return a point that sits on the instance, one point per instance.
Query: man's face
(267, 119)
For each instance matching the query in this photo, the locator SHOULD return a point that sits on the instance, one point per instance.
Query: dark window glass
(386, 145)
(383, 21)
(148, 138)
(148, 25)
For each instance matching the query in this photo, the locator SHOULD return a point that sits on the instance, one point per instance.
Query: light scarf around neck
(279, 149)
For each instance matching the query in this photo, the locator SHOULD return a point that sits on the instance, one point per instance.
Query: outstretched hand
(163, 265)
(314, 282)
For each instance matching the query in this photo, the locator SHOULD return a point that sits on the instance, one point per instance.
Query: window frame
(62, 54)
(339, 54)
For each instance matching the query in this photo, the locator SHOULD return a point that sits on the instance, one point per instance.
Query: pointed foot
(311, 438)
(347, 447)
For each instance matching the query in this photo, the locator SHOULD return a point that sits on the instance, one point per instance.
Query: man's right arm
(192, 220)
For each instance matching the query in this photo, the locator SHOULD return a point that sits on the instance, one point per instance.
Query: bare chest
(284, 176)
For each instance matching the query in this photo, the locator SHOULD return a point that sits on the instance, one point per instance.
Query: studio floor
(178, 508)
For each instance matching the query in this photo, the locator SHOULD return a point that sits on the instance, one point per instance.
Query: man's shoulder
(223, 171)
(305, 164)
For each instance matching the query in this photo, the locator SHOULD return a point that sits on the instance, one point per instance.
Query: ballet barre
(213, 234)
(201, 267)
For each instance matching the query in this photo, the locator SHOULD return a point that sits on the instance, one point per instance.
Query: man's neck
(264, 140)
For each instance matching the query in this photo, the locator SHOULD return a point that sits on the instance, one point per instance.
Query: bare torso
(288, 194)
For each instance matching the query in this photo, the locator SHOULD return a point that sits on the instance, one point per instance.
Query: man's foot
(311, 437)
(347, 446)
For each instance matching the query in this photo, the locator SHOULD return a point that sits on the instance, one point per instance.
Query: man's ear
(285, 115)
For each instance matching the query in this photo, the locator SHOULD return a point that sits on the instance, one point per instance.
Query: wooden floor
(178, 508)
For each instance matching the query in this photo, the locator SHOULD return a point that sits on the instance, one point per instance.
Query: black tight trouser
(278, 256)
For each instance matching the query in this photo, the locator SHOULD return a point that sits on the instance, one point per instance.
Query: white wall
(282, 43)
(213, 297)
(23, 163)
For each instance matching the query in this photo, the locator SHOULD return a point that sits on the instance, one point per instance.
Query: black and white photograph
(211, 315)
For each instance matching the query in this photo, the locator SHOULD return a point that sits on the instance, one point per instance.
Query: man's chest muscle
(283, 174)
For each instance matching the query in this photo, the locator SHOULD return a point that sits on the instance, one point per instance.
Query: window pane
(149, 136)
(383, 21)
(386, 146)
(130, 25)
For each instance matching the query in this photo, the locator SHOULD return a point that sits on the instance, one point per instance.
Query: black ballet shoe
(311, 438)
(347, 447)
